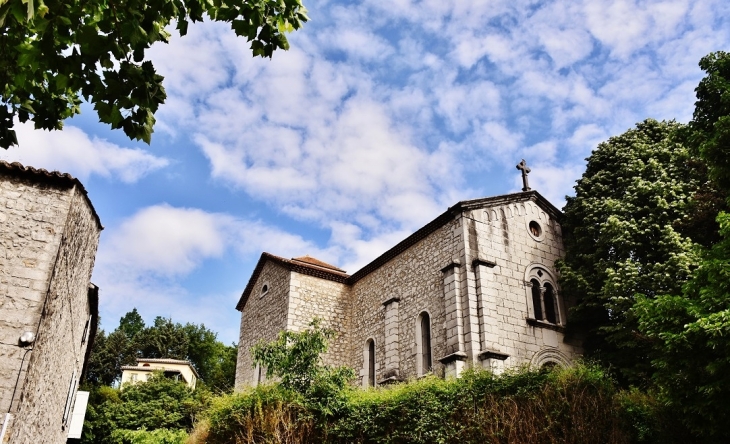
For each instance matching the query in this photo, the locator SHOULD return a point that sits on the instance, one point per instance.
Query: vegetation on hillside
(159, 410)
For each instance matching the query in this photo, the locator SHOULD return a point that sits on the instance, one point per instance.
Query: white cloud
(384, 112)
(72, 151)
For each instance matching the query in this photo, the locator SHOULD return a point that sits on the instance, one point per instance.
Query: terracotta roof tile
(314, 261)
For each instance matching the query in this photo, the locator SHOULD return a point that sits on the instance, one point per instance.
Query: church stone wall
(57, 359)
(501, 235)
(415, 278)
(262, 318)
(329, 301)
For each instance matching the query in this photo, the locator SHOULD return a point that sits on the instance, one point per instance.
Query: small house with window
(176, 369)
(475, 287)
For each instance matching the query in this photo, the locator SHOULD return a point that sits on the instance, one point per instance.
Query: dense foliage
(214, 361)
(577, 405)
(55, 52)
(622, 237)
(119, 416)
(648, 257)
(690, 330)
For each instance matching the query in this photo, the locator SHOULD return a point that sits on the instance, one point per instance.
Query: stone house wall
(49, 236)
(263, 317)
(30, 217)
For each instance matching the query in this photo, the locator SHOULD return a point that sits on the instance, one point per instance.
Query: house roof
(54, 178)
(159, 361)
(312, 266)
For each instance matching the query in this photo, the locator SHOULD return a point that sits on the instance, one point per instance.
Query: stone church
(475, 287)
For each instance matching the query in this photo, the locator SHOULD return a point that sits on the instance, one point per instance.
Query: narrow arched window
(549, 298)
(370, 363)
(423, 341)
(536, 299)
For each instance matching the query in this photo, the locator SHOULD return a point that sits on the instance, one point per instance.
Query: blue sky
(382, 115)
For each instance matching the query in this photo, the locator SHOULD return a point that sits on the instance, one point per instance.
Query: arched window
(424, 362)
(369, 355)
(536, 298)
(543, 299)
(550, 304)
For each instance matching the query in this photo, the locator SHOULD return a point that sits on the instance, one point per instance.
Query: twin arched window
(544, 301)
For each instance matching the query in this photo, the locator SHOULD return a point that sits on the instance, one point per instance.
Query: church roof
(317, 263)
(314, 267)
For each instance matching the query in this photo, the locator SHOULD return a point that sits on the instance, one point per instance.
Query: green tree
(296, 359)
(131, 324)
(108, 355)
(214, 361)
(711, 120)
(690, 330)
(691, 340)
(160, 403)
(622, 237)
(164, 339)
(56, 52)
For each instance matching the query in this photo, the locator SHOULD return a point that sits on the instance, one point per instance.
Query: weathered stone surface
(48, 242)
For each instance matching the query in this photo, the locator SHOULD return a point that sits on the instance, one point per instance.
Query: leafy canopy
(623, 236)
(54, 52)
(690, 329)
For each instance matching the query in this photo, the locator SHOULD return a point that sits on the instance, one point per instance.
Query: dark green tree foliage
(711, 119)
(164, 339)
(160, 403)
(622, 238)
(55, 52)
(131, 323)
(691, 337)
(214, 361)
(108, 355)
(690, 331)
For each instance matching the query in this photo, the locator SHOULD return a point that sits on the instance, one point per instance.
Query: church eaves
(313, 267)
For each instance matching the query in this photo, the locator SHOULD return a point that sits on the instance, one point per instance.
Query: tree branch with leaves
(53, 53)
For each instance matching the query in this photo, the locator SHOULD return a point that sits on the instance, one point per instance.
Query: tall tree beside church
(690, 331)
(55, 52)
(622, 238)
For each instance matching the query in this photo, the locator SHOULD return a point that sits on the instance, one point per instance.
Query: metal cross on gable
(525, 171)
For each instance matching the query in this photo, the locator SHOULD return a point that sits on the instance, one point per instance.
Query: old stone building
(49, 233)
(474, 287)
